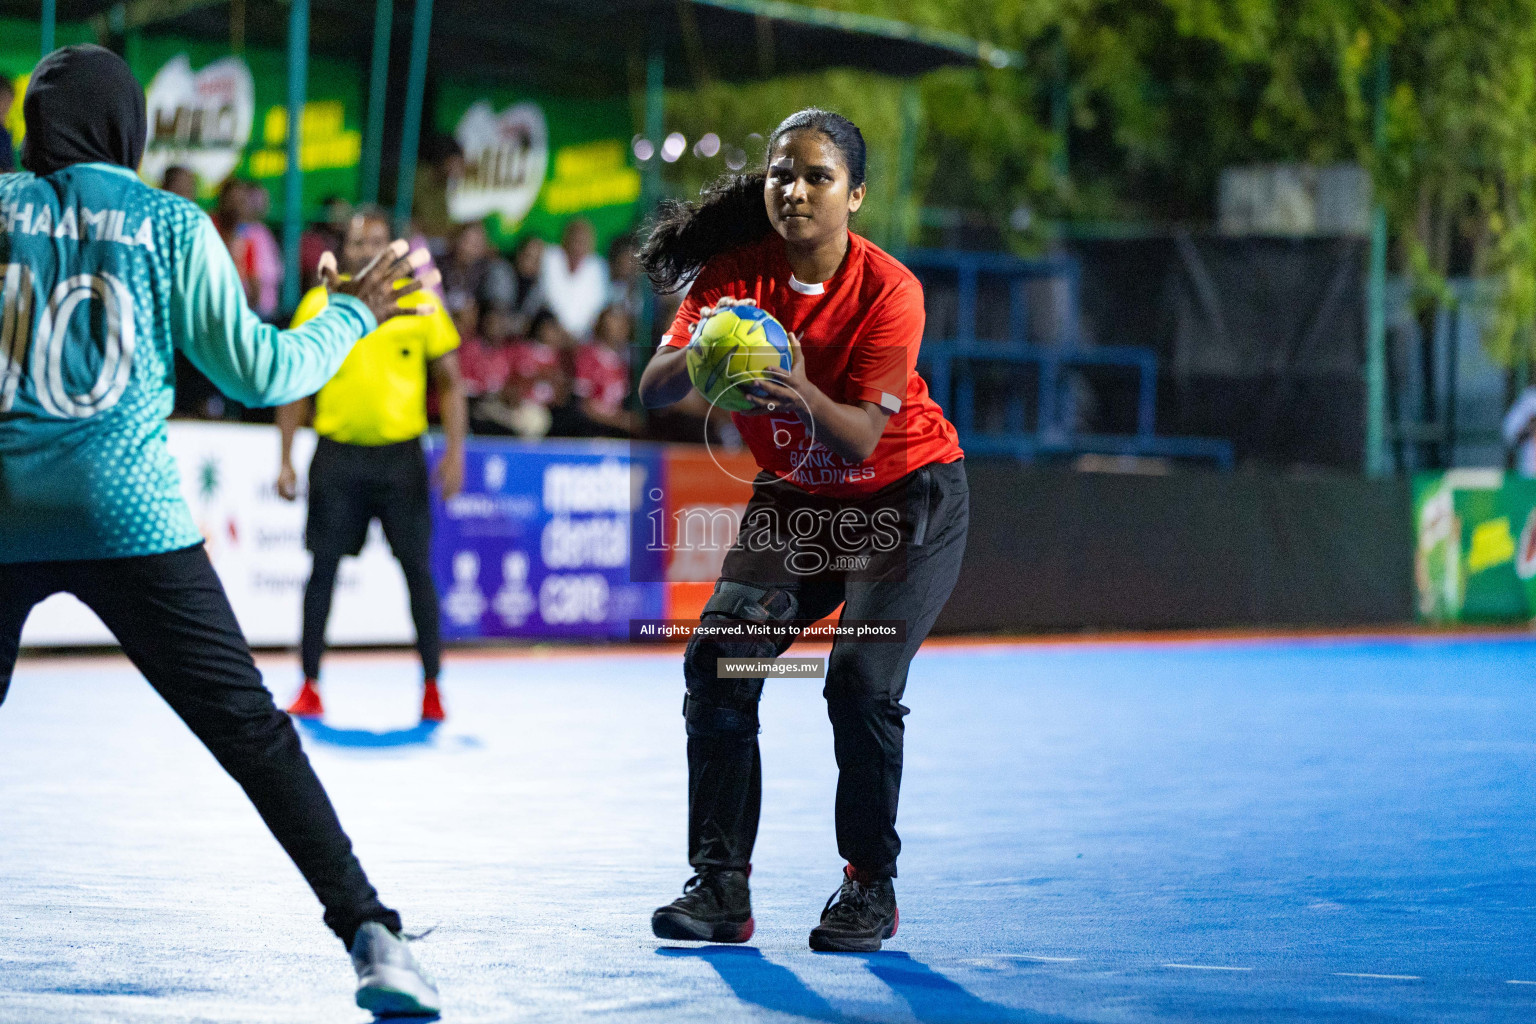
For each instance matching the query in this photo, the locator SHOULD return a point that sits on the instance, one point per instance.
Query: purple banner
(540, 542)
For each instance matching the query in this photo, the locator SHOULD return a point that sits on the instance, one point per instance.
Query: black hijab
(83, 105)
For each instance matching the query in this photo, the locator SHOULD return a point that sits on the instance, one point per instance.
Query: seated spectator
(180, 181)
(575, 279)
(485, 361)
(536, 379)
(266, 258)
(475, 278)
(600, 377)
(626, 285)
(527, 266)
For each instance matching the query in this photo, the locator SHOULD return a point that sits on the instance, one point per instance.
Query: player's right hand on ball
(385, 281)
(287, 483)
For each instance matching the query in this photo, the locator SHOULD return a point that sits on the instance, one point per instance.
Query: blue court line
(417, 735)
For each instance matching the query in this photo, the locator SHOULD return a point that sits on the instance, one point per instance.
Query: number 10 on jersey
(34, 345)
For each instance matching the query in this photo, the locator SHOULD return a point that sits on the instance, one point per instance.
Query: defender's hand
(376, 286)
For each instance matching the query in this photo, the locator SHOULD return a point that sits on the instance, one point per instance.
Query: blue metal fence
(952, 357)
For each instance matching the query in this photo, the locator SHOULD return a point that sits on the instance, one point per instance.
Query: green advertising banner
(1476, 554)
(535, 161)
(221, 114)
(224, 114)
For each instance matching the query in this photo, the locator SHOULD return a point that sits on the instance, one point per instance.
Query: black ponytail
(731, 211)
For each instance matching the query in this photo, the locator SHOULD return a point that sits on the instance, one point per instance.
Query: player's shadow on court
(417, 735)
(933, 998)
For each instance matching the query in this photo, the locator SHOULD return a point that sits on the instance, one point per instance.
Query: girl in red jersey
(862, 500)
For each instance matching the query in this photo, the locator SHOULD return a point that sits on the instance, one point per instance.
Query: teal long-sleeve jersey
(103, 279)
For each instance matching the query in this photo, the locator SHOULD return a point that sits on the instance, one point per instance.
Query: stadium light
(707, 147)
(673, 147)
(644, 148)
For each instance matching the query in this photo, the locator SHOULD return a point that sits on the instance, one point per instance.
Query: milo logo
(201, 120)
(506, 157)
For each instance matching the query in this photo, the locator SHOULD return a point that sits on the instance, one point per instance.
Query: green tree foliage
(1160, 95)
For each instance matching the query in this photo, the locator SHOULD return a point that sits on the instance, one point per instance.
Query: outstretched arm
(253, 362)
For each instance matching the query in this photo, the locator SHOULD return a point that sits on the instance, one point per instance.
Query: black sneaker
(715, 907)
(858, 917)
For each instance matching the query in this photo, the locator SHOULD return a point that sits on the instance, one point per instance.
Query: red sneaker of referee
(307, 704)
(431, 703)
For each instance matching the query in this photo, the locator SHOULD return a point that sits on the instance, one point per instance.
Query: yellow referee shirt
(379, 396)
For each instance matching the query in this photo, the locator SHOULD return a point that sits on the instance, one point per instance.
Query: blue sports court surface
(1308, 830)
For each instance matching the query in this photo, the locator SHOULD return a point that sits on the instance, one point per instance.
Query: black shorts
(352, 484)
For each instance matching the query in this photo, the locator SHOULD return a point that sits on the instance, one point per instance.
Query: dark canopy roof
(580, 46)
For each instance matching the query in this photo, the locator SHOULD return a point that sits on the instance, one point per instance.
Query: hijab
(83, 105)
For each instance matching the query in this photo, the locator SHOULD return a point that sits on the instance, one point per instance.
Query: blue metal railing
(951, 361)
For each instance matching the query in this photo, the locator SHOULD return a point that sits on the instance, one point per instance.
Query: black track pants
(864, 687)
(171, 616)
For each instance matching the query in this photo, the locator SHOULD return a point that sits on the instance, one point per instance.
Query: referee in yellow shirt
(369, 462)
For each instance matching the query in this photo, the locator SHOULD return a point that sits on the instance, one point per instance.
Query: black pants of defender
(171, 616)
(864, 685)
(350, 485)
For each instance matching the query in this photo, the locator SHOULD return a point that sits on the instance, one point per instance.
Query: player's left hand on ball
(450, 474)
(781, 390)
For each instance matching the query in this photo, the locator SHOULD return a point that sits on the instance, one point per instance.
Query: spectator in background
(575, 279)
(538, 379)
(262, 251)
(527, 267)
(441, 170)
(180, 181)
(228, 214)
(1520, 432)
(478, 284)
(601, 372)
(626, 285)
(7, 145)
(485, 362)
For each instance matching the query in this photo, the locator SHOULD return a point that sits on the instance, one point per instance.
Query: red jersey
(601, 375)
(859, 332)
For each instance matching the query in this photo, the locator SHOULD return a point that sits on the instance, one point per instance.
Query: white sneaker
(389, 983)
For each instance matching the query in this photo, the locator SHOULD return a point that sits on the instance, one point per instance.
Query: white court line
(1206, 967)
(1388, 977)
(1520, 983)
(1042, 959)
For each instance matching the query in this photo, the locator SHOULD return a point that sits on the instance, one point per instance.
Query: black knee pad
(728, 707)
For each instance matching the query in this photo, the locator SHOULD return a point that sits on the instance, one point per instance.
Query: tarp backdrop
(1259, 339)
